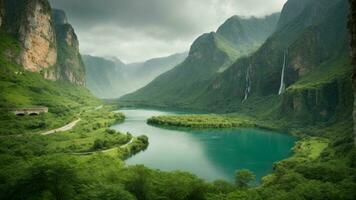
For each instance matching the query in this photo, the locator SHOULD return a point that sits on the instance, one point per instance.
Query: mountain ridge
(209, 55)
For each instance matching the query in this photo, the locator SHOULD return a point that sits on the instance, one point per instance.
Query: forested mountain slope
(210, 54)
(302, 69)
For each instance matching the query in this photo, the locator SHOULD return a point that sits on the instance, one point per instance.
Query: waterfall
(248, 82)
(282, 87)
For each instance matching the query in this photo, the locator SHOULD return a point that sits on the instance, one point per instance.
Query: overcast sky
(136, 30)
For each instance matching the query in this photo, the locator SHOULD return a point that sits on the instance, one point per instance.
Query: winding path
(63, 128)
(106, 150)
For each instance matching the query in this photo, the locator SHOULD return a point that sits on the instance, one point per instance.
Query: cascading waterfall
(282, 87)
(248, 82)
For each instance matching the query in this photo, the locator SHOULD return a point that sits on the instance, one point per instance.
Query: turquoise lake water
(210, 154)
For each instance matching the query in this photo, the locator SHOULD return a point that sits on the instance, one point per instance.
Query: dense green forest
(88, 161)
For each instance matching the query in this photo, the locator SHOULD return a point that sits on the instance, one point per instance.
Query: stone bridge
(30, 111)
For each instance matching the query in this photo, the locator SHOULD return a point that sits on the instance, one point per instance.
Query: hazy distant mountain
(104, 77)
(210, 54)
(111, 78)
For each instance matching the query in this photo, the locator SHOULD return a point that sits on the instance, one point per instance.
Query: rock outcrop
(69, 66)
(352, 27)
(1, 11)
(48, 44)
(31, 23)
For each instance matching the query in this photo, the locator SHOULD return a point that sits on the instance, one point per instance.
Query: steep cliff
(48, 44)
(70, 66)
(30, 22)
(352, 27)
(310, 52)
(1, 11)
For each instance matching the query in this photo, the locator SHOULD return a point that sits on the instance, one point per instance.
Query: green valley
(261, 109)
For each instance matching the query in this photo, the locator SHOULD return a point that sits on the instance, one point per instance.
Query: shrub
(243, 177)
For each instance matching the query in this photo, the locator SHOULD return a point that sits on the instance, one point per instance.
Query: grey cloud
(140, 29)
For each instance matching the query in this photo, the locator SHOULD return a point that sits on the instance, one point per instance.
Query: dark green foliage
(110, 131)
(202, 121)
(46, 179)
(99, 144)
(139, 144)
(243, 178)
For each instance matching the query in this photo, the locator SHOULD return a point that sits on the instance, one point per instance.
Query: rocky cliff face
(48, 43)
(31, 23)
(314, 44)
(69, 65)
(318, 104)
(352, 27)
(1, 11)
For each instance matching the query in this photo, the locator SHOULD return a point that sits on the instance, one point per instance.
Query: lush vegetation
(202, 121)
(320, 169)
(86, 162)
(20, 88)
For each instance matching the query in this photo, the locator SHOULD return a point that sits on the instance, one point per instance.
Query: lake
(210, 154)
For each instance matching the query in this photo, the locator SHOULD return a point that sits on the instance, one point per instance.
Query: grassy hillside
(20, 88)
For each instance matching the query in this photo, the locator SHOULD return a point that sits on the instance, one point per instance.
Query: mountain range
(302, 68)
(111, 78)
(210, 55)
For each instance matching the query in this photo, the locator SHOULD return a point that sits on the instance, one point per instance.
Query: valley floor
(89, 159)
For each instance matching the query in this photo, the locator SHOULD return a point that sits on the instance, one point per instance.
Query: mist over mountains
(111, 78)
(210, 55)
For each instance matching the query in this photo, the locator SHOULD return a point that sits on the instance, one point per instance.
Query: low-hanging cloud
(135, 30)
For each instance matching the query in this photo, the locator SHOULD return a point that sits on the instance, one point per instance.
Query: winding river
(210, 154)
